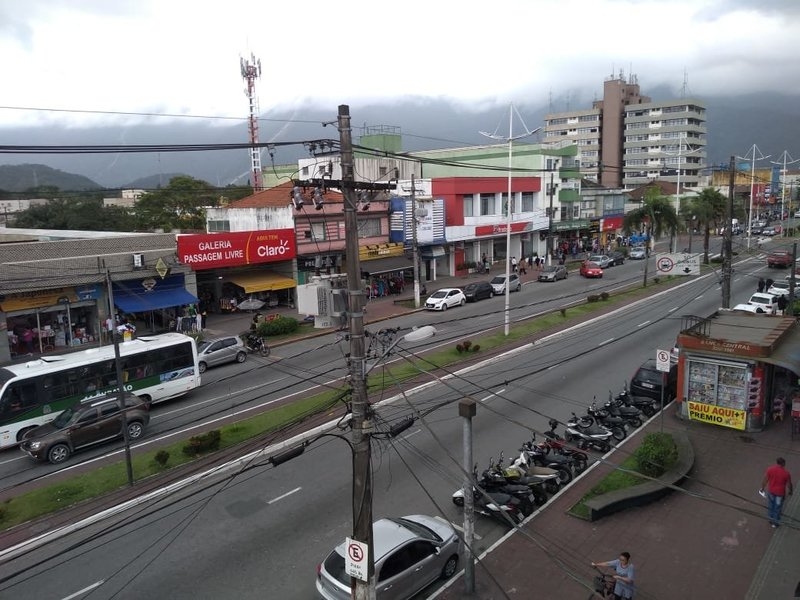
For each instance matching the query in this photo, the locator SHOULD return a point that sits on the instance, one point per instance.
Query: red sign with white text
(503, 228)
(236, 248)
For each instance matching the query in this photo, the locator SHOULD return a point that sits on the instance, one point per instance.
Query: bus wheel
(21, 433)
(58, 454)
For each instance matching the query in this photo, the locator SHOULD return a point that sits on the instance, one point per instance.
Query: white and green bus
(155, 368)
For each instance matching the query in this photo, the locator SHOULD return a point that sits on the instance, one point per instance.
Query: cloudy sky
(182, 57)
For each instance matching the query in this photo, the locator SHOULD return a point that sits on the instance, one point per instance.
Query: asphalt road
(262, 534)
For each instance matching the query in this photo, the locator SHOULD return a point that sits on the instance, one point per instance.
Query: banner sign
(717, 415)
(236, 248)
(678, 264)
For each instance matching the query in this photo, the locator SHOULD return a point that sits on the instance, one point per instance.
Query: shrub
(656, 279)
(563, 312)
(593, 298)
(604, 296)
(161, 457)
(207, 442)
(656, 454)
(460, 348)
(280, 325)
(466, 344)
(476, 347)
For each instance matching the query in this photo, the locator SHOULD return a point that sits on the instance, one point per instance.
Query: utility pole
(361, 415)
(120, 383)
(787, 160)
(792, 281)
(727, 240)
(550, 192)
(414, 246)
(467, 409)
(752, 158)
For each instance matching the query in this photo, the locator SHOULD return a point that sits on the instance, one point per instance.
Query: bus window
(19, 397)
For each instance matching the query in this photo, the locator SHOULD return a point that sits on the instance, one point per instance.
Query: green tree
(656, 215)
(180, 205)
(709, 211)
(82, 213)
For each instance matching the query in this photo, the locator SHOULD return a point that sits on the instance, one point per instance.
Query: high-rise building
(626, 139)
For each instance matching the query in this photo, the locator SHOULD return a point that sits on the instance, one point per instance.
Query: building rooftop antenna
(251, 70)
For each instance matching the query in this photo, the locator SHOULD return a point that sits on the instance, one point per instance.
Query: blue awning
(140, 296)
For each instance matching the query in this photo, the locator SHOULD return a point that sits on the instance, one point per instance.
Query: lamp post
(753, 159)
(691, 231)
(785, 155)
(678, 185)
(417, 334)
(509, 208)
(550, 192)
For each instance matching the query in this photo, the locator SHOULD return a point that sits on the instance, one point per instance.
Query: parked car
(779, 288)
(638, 253)
(499, 283)
(445, 298)
(601, 260)
(750, 308)
(769, 231)
(780, 258)
(648, 380)
(410, 553)
(590, 269)
(766, 301)
(616, 257)
(85, 424)
(221, 350)
(553, 273)
(478, 291)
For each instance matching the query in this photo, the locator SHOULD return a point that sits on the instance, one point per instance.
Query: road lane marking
(405, 437)
(282, 496)
(96, 584)
(495, 394)
(643, 324)
(608, 341)
(698, 297)
(672, 309)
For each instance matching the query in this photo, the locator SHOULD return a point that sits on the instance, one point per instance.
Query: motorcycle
(538, 456)
(494, 497)
(587, 435)
(256, 343)
(554, 443)
(648, 406)
(631, 414)
(604, 418)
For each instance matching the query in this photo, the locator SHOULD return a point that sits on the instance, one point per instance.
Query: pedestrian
(768, 284)
(513, 264)
(523, 266)
(483, 258)
(782, 304)
(623, 588)
(761, 284)
(777, 480)
(486, 266)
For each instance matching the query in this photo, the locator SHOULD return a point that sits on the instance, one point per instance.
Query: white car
(499, 284)
(767, 302)
(638, 253)
(601, 260)
(779, 288)
(751, 308)
(445, 298)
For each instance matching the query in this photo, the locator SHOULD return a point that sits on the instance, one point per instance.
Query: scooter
(587, 435)
(522, 472)
(604, 418)
(631, 414)
(537, 455)
(495, 497)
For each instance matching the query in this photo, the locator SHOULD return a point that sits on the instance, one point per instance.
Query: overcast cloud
(182, 57)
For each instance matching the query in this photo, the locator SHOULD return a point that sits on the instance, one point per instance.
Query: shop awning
(265, 281)
(386, 265)
(136, 300)
(787, 354)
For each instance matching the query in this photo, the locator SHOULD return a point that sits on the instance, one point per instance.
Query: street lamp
(510, 206)
(691, 231)
(785, 155)
(417, 334)
(753, 159)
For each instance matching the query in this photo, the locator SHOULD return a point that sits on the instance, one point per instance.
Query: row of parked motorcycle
(509, 493)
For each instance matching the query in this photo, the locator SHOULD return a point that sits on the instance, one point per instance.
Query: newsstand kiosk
(736, 369)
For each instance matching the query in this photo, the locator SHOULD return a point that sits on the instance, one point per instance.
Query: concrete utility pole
(361, 420)
(727, 239)
(792, 281)
(414, 245)
(467, 409)
(787, 160)
(550, 192)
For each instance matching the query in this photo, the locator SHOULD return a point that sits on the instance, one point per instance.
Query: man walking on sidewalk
(776, 481)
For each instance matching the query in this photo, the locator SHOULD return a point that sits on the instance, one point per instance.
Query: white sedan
(638, 253)
(445, 298)
(779, 288)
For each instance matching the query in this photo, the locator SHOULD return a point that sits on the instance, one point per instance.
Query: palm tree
(709, 208)
(656, 215)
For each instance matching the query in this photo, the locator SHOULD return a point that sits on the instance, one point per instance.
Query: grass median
(106, 479)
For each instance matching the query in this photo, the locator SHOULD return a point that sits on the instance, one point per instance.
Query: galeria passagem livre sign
(230, 249)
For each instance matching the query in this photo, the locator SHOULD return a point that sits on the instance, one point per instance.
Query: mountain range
(734, 125)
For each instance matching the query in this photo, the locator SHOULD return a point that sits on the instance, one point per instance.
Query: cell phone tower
(251, 70)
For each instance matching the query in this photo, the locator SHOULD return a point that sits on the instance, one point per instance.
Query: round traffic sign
(355, 552)
(665, 264)
(662, 356)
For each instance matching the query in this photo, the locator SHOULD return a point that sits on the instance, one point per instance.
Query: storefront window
(720, 384)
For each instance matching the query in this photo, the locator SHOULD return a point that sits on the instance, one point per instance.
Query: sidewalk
(713, 542)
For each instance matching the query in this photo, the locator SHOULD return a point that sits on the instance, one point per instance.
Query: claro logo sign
(210, 251)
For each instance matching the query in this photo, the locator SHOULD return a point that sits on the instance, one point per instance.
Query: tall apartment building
(626, 140)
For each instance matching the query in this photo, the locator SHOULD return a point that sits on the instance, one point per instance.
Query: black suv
(85, 424)
(647, 381)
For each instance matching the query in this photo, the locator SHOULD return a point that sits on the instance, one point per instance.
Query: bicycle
(603, 585)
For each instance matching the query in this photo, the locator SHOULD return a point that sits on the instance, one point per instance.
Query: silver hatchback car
(410, 553)
(221, 350)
